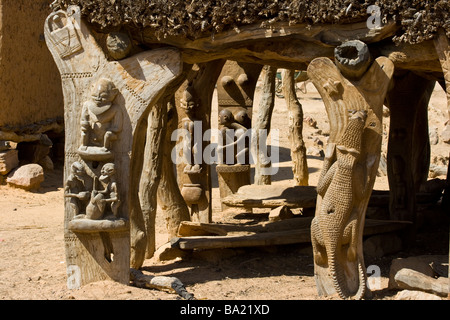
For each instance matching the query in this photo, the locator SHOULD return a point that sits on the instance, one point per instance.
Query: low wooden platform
(272, 196)
(194, 235)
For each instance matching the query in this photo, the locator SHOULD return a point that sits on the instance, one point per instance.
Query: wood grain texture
(340, 96)
(140, 81)
(295, 113)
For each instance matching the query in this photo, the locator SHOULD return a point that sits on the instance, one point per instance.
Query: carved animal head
(349, 146)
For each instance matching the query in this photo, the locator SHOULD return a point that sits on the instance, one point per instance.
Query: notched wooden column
(194, 100)
(408, 156)
(104, 104)
(295, 112)
(353, 92)
(235, 93)
(442, 45)
(261, 127)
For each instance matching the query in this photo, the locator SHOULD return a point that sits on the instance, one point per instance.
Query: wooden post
(157, 159)
(151, 171)
(194, 106)
(353, 92)
(169, 195)
(105, 103)
(262, 122)
(235, 92)
(442, 44)
(408, 146)
(231, 178)
(236, 88)
(298, 149)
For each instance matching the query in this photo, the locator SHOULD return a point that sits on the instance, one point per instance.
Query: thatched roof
(420, 19)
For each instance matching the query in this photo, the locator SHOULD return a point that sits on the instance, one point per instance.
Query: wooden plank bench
(194, 235)
(272, 196)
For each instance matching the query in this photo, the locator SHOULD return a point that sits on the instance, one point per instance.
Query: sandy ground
(32, 259)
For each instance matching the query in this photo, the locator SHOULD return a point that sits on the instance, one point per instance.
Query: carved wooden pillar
(236, 88)
(408, 146)
(194, 100)
(157, 170)
(235, 91)
(105, 103)
(442, 44)
(169, 196)
(151, 171)
(261, 124)
(298, 149)
(353, 92)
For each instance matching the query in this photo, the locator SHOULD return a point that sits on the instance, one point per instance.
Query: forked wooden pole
(295, 113)
(105, 103)
(353, 92)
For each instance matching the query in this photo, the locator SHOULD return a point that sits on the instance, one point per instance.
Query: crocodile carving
(335, 227)
(354, 81)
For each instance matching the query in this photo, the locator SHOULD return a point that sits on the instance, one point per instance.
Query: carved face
(242, 117)
(103, 92)
(188, 105)
(225, 117)
(188, 101)
(108, 170)
(78, 170)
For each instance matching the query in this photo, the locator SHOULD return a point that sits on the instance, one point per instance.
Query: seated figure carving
(192, 152)
(75, 188)
(100, 199)
(101, 122)
(233, 136)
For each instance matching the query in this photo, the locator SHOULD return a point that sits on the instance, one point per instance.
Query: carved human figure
(243, 118)
(141, 80)
(191, 150)
(101, 119)
(100, 199)
(75, 188)
(233, 135)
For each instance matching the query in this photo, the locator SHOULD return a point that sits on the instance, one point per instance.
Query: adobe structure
(43, 87)
(30, 88)
(129, 69)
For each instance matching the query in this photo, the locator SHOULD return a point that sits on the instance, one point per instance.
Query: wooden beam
(293, 47)
(302, 234)
(268, 196)
(323, 34)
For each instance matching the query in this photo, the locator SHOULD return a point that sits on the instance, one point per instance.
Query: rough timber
(96, 252)
(277, 43)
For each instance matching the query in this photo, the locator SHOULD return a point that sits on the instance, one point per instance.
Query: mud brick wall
(30, 85)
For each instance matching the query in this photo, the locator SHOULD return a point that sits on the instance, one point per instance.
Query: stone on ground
(28, 177)
(9, 160)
